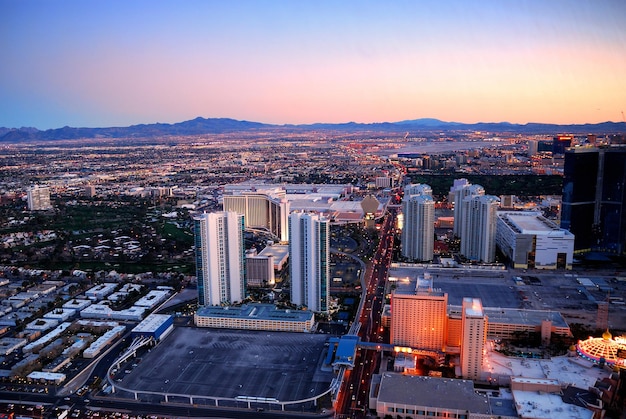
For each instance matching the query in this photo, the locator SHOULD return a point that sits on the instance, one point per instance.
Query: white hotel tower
(418, 232)
(478, 233)
(462, 191)
(219, 258)
(309, 257)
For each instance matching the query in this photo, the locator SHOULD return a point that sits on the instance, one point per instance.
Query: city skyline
(117, 64)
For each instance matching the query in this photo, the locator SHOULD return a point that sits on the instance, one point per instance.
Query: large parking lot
(231, 363)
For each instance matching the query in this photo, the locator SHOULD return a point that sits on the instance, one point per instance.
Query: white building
(219, 258)
(478, 228)
(473, 338)
(309, 257)
(418, 231)
(262, 210)
(462, 190)
(38, 198)
(530, 240)
(100, 291)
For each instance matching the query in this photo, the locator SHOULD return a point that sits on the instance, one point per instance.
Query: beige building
(418, 317)
(474, 336)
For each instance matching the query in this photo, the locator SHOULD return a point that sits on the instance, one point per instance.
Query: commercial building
(509, 323)
(529, 240)
(594, 198)
(419, 316)
(419, 397)
(309, 258)
(255, 317)
(156, 326)
(474, 337)
(259, 269)
(262, 210)
(38, 198)
(478, 228)
(418, 232)
(219, 258)
(103, 342)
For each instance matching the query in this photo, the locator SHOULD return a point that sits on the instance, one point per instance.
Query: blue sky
(117, 63)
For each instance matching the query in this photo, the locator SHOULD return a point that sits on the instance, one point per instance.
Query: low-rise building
(255, 317)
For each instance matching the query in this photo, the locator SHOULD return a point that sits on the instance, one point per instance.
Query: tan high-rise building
(38, 198)
(418, 318)
(473, 338)
(262, 211)
(418, 232)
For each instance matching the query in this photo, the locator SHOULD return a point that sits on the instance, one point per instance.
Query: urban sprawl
(314, 274)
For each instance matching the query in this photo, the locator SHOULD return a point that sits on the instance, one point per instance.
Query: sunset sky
(117, 63)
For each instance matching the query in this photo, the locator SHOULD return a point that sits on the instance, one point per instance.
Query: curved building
(261, 211)
(605, 349)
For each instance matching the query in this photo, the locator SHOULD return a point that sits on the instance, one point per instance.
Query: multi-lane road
(353, 397)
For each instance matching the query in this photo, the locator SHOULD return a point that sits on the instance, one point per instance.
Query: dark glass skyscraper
(594, 200)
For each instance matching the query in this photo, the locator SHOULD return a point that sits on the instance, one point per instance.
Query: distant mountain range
(201, 126)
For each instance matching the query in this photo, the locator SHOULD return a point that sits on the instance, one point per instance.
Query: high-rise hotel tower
(478, 227)
(219, 258)
(309, 258)
(261, 210)
(462, 191)
(418, 232)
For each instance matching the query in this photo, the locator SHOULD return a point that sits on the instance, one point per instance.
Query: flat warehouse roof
(444, 393)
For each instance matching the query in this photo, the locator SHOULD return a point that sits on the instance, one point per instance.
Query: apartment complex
(255, 317)
(474, 337)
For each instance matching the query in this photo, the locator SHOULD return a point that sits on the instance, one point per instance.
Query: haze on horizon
(118, 63)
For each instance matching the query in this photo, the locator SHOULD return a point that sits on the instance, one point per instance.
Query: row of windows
(427, 413)
(253, 325)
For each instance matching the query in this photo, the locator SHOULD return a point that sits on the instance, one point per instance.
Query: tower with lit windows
(418, 231)
(309, 257)
(220, 259)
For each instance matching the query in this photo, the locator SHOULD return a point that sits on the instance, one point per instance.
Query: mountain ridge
(200, 125)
